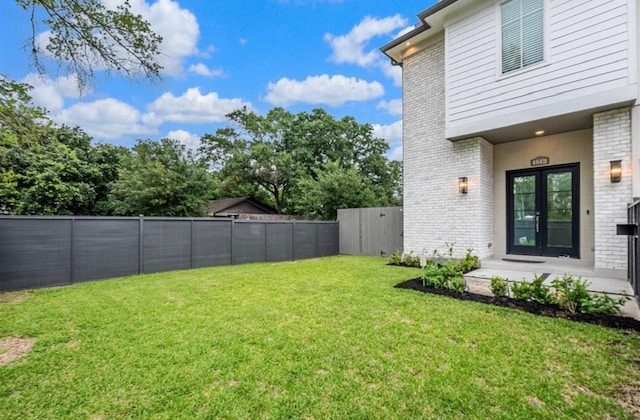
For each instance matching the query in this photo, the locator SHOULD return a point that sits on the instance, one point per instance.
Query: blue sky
(219, 55)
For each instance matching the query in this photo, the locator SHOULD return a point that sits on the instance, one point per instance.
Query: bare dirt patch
(13, 297)
(12, 348)
(629, 399)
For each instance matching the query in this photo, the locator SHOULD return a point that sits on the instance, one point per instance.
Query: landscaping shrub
(469, 262)
(540, 292)
(522, 290)
(411, 261)
(432, 275)
(456, 283)
(570, 293)
(445, 276)
(499, 286)
(407, 260)
(602, 304)
(394, 259)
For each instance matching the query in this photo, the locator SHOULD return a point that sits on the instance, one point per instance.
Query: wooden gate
(370, 231)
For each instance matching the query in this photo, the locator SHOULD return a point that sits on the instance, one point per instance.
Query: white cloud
(51, 93)
(322, 90)
(207, 52)
(395, 153)
(392, 133)
(392, 72)
(393, 107)
(105, 119)
(202, 70)
(191, 107)
(350, 48)
(178, 28)
(190, 140)
(353, 47)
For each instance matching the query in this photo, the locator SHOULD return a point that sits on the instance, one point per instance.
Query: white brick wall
(611, 141)
(434, 211)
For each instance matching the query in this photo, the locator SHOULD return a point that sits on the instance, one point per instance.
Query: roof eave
(435, 9)
(401, 40)
(422, 27)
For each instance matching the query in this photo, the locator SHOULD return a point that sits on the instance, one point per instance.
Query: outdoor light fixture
(463, 185)
(616, 170)
(539, 132)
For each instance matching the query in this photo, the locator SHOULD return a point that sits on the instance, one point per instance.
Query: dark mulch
(554, 311)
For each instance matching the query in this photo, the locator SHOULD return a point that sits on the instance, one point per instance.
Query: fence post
(73, 249)
(293, 241)
(191, 243)
(233, 241)
(359, 231)
(266, 247)
(141, 244)
(317, 252)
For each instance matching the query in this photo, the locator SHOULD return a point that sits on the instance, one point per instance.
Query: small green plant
(411, 261)
(445, 276)
(499, 286)
(456, 283)
(432, 275)
(571, 293)
(540, 292)
(469, 262)
(522, 290)
(602, 304)
(407, 260)
(394, 259)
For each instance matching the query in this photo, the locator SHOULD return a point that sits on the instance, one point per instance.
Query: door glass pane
(524, 210)
(559, 209)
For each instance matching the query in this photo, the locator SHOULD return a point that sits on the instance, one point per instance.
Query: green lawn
(318, 338)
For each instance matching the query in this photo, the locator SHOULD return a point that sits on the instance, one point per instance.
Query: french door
(543, 211)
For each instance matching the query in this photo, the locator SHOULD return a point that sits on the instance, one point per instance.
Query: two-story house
(521, 127)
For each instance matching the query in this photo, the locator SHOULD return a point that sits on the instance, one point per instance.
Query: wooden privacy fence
(371, 231)
(40, 251)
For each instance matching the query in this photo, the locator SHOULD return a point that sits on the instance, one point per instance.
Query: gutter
(420, 27)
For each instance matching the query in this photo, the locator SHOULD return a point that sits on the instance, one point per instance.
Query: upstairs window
(522, 34)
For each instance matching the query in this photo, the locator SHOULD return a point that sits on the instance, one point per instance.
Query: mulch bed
(554, 311)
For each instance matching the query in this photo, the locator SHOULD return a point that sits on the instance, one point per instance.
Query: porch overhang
(550, 119)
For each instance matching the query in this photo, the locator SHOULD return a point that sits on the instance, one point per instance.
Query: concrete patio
(612, 282)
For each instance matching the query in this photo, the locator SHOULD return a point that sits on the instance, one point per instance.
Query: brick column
(611, 141)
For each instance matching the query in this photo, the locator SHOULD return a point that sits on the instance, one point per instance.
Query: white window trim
(546, 60)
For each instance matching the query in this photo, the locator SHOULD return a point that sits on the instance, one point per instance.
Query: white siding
(586, 52)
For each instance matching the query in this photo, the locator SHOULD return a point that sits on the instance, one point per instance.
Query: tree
(276, 152)
(255, 153)
(334, 188)
(107, 160)
(47, 173)
(161, 179)
(88, 37)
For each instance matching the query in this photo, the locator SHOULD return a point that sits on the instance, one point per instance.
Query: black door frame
(541, 248)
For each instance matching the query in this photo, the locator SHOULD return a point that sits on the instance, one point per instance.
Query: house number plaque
(540, 160)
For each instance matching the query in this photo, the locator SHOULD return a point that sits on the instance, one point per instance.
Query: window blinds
(522, 34)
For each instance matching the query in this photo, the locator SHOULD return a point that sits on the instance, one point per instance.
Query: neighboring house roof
(239, 205)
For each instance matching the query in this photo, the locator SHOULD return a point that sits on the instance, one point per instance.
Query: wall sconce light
(616, 170)
(463, 185)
